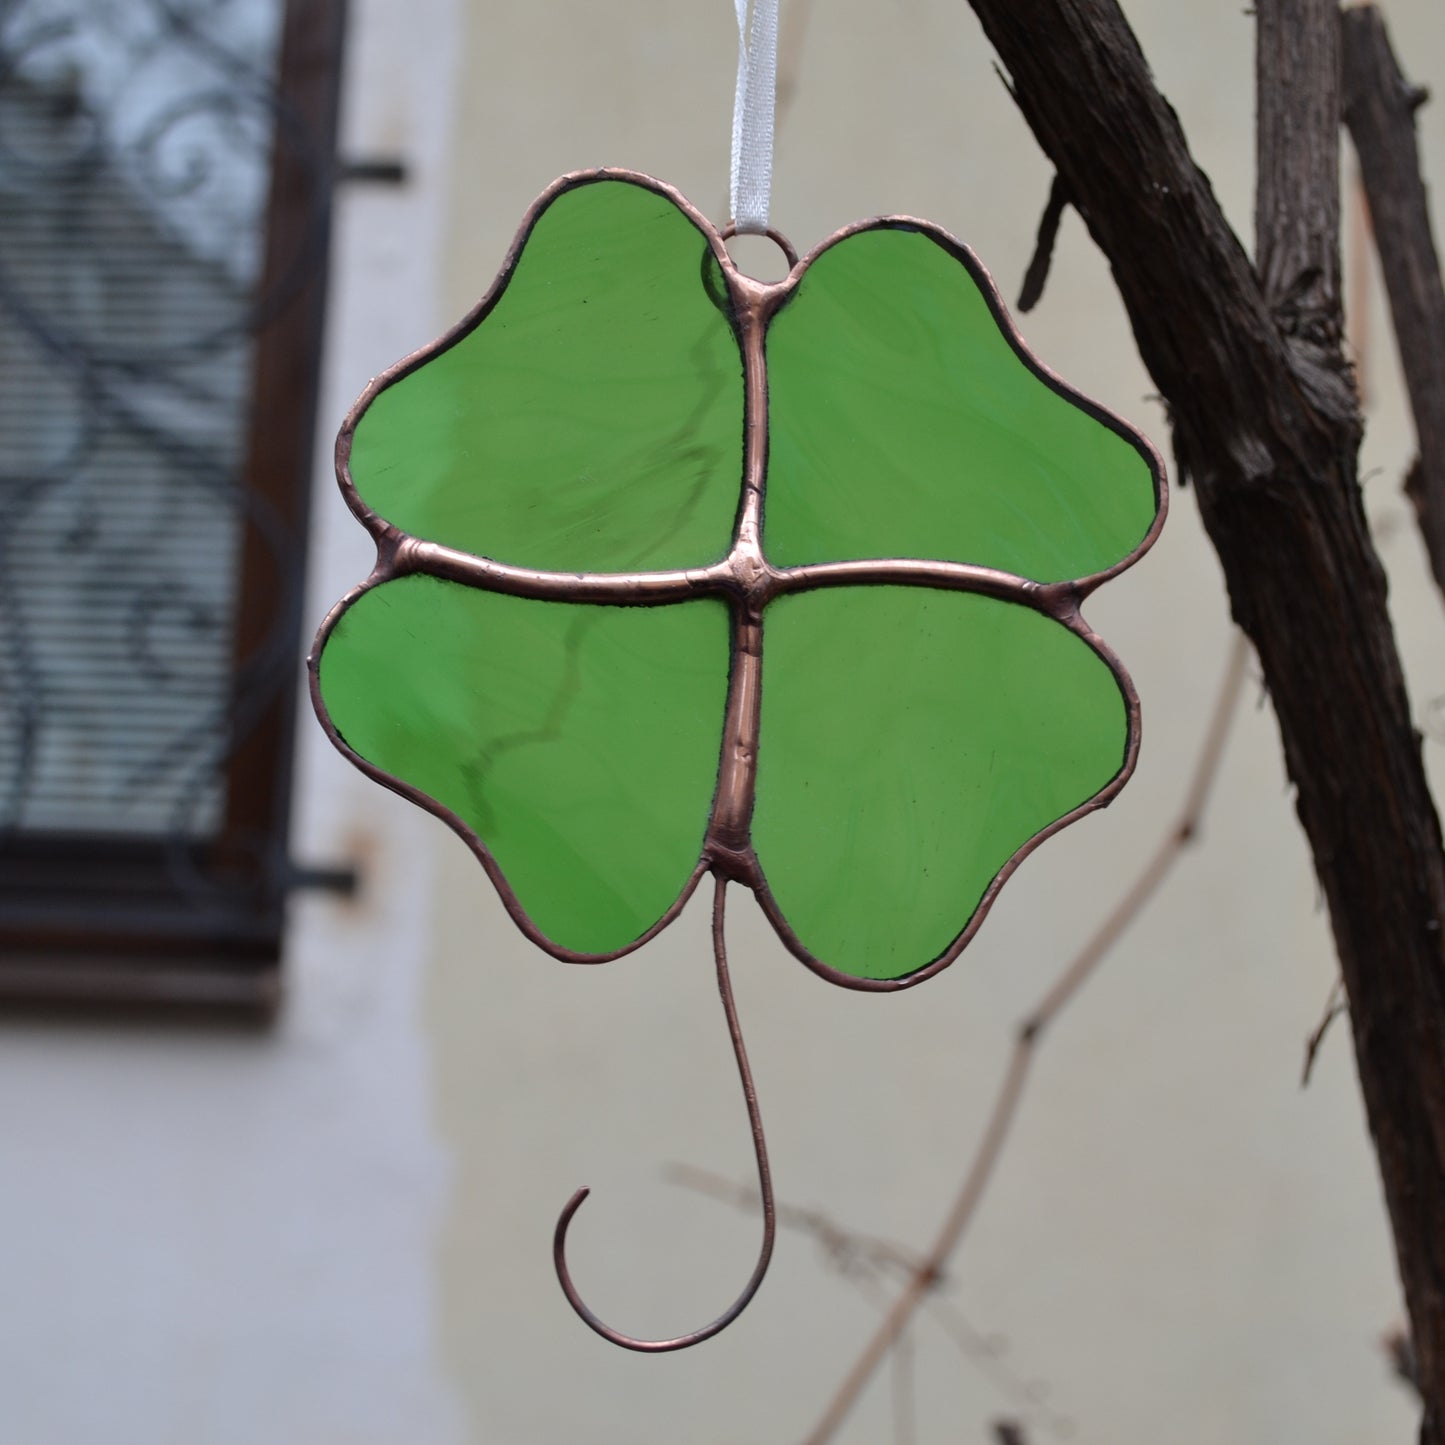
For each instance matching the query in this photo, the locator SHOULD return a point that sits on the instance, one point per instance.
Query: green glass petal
(579, 742)
(912, 741)
(593, 421)
(902, 423)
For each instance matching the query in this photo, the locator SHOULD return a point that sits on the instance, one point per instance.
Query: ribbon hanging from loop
(753, 106)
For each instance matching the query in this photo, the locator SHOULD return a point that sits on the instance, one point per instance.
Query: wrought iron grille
(164, 186)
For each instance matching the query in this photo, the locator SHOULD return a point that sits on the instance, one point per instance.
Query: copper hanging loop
(775, 236)
(765, 1182)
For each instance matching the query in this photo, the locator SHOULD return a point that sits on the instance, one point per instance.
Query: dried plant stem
(1380, 106)
(849, 1250)
(870, 1263)
(996, 1133)
(905, 1394)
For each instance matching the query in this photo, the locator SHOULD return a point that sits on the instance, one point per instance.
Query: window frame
(100, 921)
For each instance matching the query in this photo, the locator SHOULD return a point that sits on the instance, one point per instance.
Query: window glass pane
(135, 149)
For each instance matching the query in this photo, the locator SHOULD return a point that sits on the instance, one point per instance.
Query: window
(165, 168)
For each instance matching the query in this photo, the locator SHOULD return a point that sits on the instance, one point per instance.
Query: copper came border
(747, 582)
(744, 578)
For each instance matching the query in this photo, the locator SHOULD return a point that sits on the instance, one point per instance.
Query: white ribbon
(752, 168)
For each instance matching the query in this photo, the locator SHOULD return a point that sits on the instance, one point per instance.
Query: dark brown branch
(925, 1277)
(1190, 290)
(1380, 110)
(1297, 183)
(1038, 272)
(1265, 422)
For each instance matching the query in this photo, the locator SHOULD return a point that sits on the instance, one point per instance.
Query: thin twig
(905, 1395)
(1037, 274)
(1335, 1005)
(985, 1357)
(981, 1169)
(870, 1281)
(847, 1249)
(871, 1264)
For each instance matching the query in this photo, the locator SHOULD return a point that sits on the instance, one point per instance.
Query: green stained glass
(579, 743)
(902, 423)
(589, 420)
(593, 421)
(912, 741)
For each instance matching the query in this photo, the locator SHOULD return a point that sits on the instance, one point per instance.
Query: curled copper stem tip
(765, 1183)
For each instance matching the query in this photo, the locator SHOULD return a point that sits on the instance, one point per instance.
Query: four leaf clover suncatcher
(680, 573)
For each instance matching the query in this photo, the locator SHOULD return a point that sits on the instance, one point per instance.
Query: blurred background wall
(338, 1231)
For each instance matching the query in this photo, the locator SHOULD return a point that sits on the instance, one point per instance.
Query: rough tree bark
(1380, 112)
(1267, 429)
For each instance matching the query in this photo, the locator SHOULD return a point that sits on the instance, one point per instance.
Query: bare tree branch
(1266, 424)
(1297, 179)
(1056, 998)
(1380, 110)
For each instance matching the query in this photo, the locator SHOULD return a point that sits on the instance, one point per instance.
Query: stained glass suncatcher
(597, 497)
(680, 572)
